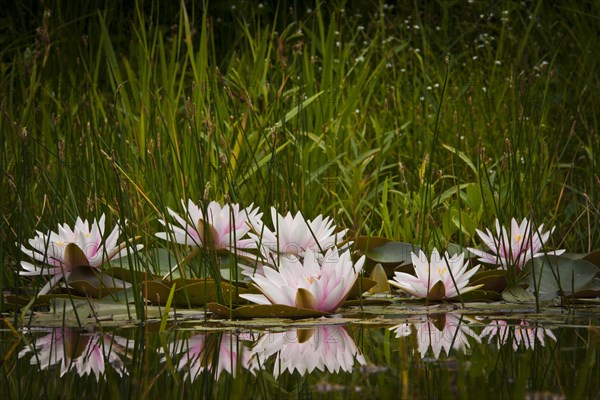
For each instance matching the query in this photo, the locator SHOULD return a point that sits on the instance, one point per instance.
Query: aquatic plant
(85, 353)
(454, 334)
(311, 284)
(513, 250)
(294, 235)
(523, 335)
(440, 278)
(323, 348)
(71, 248)
(226, 226)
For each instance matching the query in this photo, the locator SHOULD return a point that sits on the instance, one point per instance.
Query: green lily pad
(193, 292)
(552, 276)
(264, 311)
(481, 295)
(517, 294)
(364, 243)
(379, 276)
(398, 253)
(492, 280)
(360, 286)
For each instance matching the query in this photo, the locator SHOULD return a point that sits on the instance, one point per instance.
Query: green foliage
(419, 123)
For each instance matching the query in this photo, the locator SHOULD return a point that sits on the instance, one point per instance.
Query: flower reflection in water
(212, 353)
(524, 335)
(87, 353)
(326, 348)
(441, 331)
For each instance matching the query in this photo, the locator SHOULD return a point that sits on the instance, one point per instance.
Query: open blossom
(294, 235)
(72, 248)
(197, 354)
(524, 334)
(311, 284)
(524, 243)
(454, 334)
(226, 226)
(325, 348)
(442, 277)
(85, 353)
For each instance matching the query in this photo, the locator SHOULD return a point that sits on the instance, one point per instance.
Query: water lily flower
(434, 279)
(524, 243)
(212, 353)
(85, 353)
(311, 284)
(294, 235)
(454, 334)
(524, 334)
(226, 226)
(72, 248)
(325, 348)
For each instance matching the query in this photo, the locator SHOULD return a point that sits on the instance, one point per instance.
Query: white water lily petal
(452, 272)
(515, 249)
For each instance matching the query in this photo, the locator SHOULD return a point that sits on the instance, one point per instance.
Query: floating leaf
(398, 253)
(381, 280)
(264, 311)
(194, 292)
(593, 257)
(360, 286)
(590, 291)
(364, 243)
(91, 282)
(492, 280)
(552, 276)
(517, 294)
(481, 295)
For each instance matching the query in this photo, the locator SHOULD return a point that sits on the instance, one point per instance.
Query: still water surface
(441, 355)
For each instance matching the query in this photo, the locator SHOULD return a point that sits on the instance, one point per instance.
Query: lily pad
(193, 292)
(398, 253)
(552, 276)
(379, 276)
(90, 282)
(517, 294)
(481, 295)
(364, 243)
(492, 280)
(360, 286)
(264, 311)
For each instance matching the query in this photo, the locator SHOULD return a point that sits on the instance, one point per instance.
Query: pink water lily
(454, 334)
(515, 249)
(294, 235)
(226, 226)
(82, 352)
(311, 284)
(437, 279)
(525, 334)
(325, 348)
(71, 248)
(197, 354)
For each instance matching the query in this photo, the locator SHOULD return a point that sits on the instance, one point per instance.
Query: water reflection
(523, 335)
(323, 348)
(212, 353)
(86, 353)
(439, 332)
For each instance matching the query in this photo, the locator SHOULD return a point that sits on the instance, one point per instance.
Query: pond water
(384, 352)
